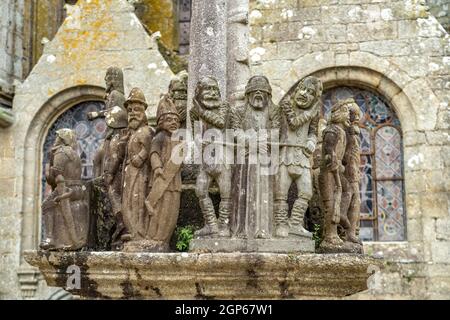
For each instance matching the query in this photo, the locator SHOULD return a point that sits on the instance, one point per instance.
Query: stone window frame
(35, 138)
(387, 82)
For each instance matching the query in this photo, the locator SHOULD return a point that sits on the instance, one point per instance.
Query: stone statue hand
(92, 115)
(310, 147)
(159, 173)
(108, 178)
(137, 161)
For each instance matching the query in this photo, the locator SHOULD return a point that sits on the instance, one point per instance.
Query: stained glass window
(89, 135)
(382, 186)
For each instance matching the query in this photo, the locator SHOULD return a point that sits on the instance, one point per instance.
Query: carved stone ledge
(29, 280)
(118, 275)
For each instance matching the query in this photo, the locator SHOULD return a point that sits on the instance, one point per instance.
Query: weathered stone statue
(331, 174)
(108, 162)
(115, 114)
(253, 205)
(298, 142)
(163, 201)
(351, 202)
(65, 211)
(136, 171)
(177, 95)
(212, 112)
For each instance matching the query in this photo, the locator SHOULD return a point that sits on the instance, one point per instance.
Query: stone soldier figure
(351, 202)
(136, 169)
(331, 173)
(65, 211)
(252, 205)
(177, 95)
(163, 201)
(212, 112)
(115, 114)
(298, 142)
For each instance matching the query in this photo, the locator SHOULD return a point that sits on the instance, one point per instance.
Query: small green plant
(317, 234)
(184, 236)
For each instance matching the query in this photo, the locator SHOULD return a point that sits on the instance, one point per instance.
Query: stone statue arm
(330, 140)
(157, 165)
(193, 115)
(116, 158)
(59, 162)
(139, 159)
(182, 112)
(236, 123)
(294, 121)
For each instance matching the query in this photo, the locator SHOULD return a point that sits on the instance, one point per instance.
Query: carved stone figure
(298, 142)
(163, 201)
(331, 174)
(108, 162)
(212, 112)
(114, 112)
(177, 96)
(65, 211)
(136, 170)
(351, 202)
(252, 205)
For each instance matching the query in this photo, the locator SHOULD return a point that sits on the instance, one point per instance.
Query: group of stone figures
(143, 182)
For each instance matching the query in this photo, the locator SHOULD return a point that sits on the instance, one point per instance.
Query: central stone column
(208, 45)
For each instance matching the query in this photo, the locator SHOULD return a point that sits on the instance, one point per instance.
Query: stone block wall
(400, 50)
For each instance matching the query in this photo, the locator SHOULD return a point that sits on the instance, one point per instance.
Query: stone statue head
(355, 111)
(340, 113)
(207, 93)
(258, 92)
(66, 137)
(167, 117)
(178, 86)
(307, 93)
(114, 80)
(136, 106)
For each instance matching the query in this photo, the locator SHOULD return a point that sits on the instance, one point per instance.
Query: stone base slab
(289, 245)
(120, 275)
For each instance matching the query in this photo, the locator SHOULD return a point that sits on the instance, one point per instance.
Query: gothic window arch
(383, 216)
(89, 135)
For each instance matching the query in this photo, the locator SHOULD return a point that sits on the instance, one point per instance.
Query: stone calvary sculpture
(252, 152)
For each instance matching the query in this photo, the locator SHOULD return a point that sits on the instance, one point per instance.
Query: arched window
(89, 135)
(382, 186)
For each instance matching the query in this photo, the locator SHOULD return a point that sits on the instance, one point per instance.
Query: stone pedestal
(289, 245)
(119, 275)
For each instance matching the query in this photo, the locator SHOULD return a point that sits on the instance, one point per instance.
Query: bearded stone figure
(298, 142)
(253, 122)
(177, 96)
(163, 201)
(65, 210)
(332, 174)
(136, 173)
(211, 113)
(351, 201)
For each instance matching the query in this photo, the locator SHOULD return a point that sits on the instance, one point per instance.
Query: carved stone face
(136, 115)
(209, 93)
(258, 99)
(355, 113)
(178, 91)
(305, 95)
(170, 122)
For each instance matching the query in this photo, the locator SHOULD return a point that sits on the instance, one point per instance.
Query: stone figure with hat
(136, 173)
(253, 205)
(211, 113)
(65, 210)
(163, 201)
(177, 96)
(331, 175)
(298, 141)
